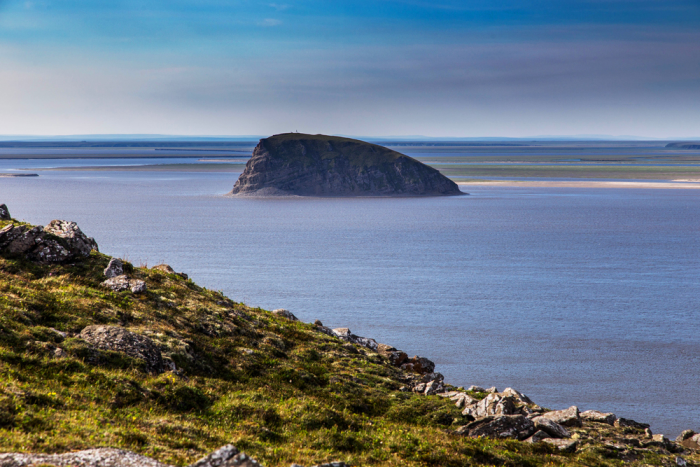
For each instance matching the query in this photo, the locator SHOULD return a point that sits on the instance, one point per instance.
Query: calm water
(573, 296)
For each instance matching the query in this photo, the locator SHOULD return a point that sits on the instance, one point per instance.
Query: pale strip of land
(676, 184)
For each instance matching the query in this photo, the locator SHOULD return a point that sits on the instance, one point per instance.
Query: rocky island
(319, 165)
(104, 364)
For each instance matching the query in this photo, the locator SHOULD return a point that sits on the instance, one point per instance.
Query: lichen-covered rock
(346, 335)
(551, 427)
(537, 437)
(79, 243)
(600, 417)
(419, 365)
(626, 422)
(568, 417)
(114, 268)
(118, 339)
(58, 242)
(285, 314)
(565, 445)
(102, 457)
(493, 404)
(500, 426)
(123, 282)
(226, 456)
(396, 357)
(319, 165)
(4, 213)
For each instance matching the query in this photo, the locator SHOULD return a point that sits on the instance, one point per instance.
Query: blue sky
(373, 68)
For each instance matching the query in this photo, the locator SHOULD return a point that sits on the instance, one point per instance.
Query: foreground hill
(319, 165)
(97, 353)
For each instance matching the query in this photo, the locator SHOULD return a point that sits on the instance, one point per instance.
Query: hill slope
(319, 165)
(173, 371)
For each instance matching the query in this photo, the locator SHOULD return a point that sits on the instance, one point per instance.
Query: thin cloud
(269, 22)
(280, 6)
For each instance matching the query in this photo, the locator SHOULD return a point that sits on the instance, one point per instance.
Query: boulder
(58, 242)
(551, 427)
(285, 314)
(600, 417)
(168, 270)
(101, 457)
(226, 456)
(565, 445)
(519, 396)
(493, 404)
(114, 268)
(685, 434)
(346, 335)
(318, 323)
(626, 422)
(568, 417)
(500, 426)
(419, 365)
(537, 437)
(123, 282)
(118, 339)
(395, 357)
(5, 213)
(492, 389)
(433, 387)
(79, 243)
(692, 441)
(476, 389)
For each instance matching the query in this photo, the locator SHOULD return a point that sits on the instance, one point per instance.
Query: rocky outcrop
(118, 339)
(319, 165)
(285, 314)
(600, 417)
(500, 426)
(568, 417)
(168, 270)
(58, 242)
(102, 457)
(4, 213)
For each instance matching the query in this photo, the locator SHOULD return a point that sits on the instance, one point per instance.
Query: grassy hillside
(281, 391)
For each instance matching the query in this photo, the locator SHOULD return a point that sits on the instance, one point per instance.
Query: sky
(372, 68)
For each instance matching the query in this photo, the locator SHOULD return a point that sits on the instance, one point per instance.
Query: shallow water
(573, 296)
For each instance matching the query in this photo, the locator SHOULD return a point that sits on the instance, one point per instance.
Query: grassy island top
(283, 391)
(307, 148)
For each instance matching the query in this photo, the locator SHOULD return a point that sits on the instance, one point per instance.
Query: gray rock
(226, 456)
(568, 417)
(476, 389)
(123, 282)
(492, 390)
(333, 464)
(395, 357)
(551, 427)
(537, 437)
(519, 396)
(318, 323)
(565, 445)
(685, 434)
(433, 387)
(5, 213)
(680, 462)
(419, 365)
(326, 330)
(346, 335)
(500, 426)
(493, 404)
(119, 339)
(79, 243)
(600, 417)
(626, 422)
(285, 314)
(58, 242)
(102, 457)
(692, 442)
(114, 268)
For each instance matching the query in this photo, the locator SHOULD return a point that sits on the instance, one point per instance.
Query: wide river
(587, 297)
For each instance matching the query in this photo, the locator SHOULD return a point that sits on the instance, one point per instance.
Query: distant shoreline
(672, 184)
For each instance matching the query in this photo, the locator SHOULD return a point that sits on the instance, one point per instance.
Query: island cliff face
(319, 165)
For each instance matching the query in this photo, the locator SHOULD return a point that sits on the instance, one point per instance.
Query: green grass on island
(279, 390)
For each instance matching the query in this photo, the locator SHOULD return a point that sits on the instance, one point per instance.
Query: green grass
(281, 391)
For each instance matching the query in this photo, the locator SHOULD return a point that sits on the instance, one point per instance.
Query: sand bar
(676, 184)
